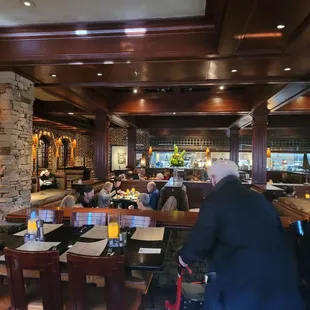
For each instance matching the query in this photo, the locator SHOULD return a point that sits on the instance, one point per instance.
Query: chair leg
(143, 303)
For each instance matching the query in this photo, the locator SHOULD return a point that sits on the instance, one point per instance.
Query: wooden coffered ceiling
(210, 64)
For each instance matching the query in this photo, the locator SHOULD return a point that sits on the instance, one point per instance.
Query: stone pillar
(102, 146)
(132, 142)
(234, 145)
(16, 110)
(259, 146)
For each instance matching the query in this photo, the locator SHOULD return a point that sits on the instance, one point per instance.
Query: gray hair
(144, 199)
(223, 168)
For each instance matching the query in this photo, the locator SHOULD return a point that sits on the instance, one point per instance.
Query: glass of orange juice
(32, 217)
(113, 226)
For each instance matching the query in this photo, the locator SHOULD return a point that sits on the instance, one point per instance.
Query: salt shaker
(40, 231)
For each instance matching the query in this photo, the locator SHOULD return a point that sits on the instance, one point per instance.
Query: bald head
(221, 169)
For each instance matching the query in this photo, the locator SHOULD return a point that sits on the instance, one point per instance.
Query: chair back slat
(50, 284)
(137, 221)
(51, 216)
(79, 219)
(111, 268)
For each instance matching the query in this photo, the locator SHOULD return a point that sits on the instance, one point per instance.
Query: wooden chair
(51, 216)
(138, 280)
(137, 221)
(114, 297)
(78, 219)
(47, 263)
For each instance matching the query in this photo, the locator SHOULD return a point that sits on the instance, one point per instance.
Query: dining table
(69, 235)
(125, 200)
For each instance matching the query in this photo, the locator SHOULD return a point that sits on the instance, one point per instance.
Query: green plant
(177, 159)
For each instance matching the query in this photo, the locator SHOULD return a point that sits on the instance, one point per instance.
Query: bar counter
(170, 219)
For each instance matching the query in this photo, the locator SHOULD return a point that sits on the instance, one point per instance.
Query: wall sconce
(58, 143)
(35, 143)
(143, 162)
(73, 147)
(207, 151)
(150, 151)
(268, 153)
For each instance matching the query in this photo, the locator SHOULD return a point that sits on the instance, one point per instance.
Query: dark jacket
(242, 236)
(154, 196)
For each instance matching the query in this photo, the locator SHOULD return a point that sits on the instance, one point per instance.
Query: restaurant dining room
(154, 154)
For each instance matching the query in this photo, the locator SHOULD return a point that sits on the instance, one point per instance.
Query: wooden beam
(185, 103)
(238, 13)
(241, 80)
(184, 122)
(280, 97)
(183, 37)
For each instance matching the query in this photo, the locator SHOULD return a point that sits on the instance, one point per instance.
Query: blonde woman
(68, 202)
(105, 195)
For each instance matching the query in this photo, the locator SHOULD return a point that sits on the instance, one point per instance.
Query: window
(64, 153)
(42, 155)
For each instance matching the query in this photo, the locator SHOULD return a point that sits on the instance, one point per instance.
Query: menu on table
(47, 228)
(97, 232)
(149, 234)
(86, 248)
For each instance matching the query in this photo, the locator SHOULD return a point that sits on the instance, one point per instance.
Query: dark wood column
(259, 146)
(132, 141)
(234, 145)
(102, 146)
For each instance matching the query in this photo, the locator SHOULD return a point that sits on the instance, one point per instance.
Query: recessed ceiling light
(135, 91)
(81, 32)
(128, 62)
(99, 74)
(53, 75)
(281, 26)
(78, 63)
(28, 3)
(174, 113)
(222, 87)
(70, 113)
(287, 69)
(108, 62)
(135, 31)
(234, 70)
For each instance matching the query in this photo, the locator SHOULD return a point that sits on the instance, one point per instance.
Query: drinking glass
(114, 226)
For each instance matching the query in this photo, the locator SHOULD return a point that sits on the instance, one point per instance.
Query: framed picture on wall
(119, 157)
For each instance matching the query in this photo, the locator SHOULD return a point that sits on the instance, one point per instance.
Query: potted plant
(177, 160)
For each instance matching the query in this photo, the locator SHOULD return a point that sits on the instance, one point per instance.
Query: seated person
(154, 194)
(116, 186)
(143, 202)
(142, 174)
(68, 202)
(47, 180)
(105, 195)
(86, 198)
(167, 174)
(160, 176)
(122, 177)
(135, 174)
(286, 178)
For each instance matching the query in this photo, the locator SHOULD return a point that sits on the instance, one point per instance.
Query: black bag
(192, 296)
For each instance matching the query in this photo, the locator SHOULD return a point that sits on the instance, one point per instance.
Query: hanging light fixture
(150, 151)
(268, 152)
(207, 151)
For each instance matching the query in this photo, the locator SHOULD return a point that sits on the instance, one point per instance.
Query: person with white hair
(250, 265)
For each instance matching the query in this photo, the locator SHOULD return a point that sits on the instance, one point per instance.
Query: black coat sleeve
(202, 237)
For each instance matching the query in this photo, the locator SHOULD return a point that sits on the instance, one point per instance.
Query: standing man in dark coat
(243, 238)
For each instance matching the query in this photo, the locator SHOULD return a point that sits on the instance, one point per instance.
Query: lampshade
(207, 151)
(74, 143)
(305, 162)
(142, 162)
(268, 153)
(35, 140)
(150, 151)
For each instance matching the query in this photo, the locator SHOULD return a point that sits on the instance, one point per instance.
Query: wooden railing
(180, 219)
